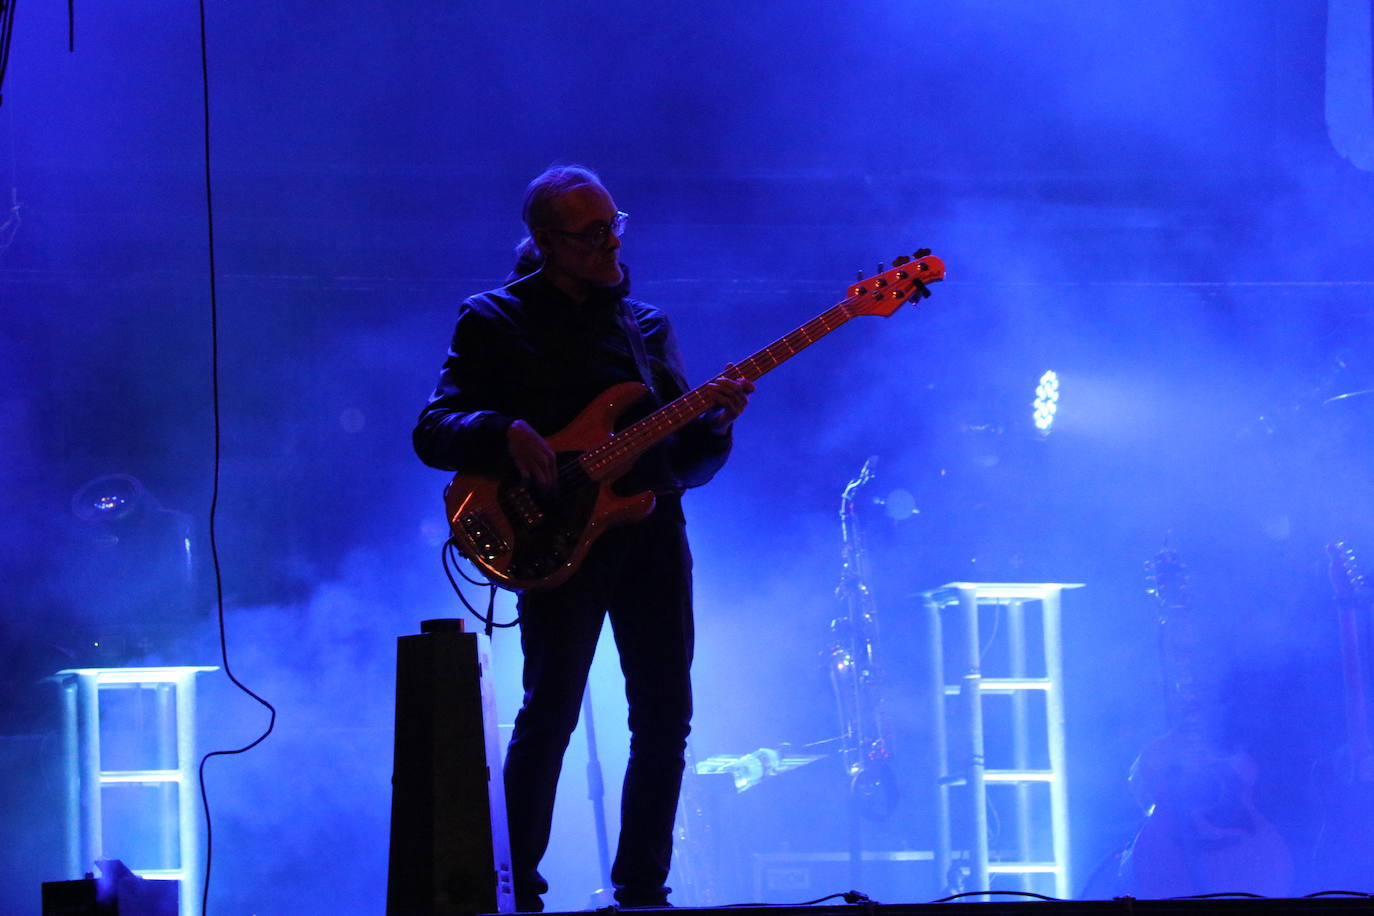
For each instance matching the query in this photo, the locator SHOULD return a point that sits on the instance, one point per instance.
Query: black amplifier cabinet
(117, 892)
(450, 852)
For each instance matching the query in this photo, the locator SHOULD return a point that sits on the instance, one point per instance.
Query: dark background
(1145, 197)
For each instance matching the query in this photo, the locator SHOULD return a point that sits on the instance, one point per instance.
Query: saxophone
(865, 742)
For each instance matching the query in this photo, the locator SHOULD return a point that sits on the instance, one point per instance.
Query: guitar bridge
(485, 541)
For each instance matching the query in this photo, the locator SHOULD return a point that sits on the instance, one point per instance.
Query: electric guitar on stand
(1345, 843)
(523, 539)
(1202, 833)
(1352, 603)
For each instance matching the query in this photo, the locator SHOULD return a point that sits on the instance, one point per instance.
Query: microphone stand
(596, 793)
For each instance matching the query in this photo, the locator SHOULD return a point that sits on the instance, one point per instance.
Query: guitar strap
(636, 340)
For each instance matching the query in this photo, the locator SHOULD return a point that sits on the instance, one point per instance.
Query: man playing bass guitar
(525, 360)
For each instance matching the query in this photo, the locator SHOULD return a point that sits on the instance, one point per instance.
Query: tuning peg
(919, 291)
(860, 274)
(922, 252)
(881, 267)
(900, 260)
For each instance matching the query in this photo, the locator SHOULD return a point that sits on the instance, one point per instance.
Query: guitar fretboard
(628, 444)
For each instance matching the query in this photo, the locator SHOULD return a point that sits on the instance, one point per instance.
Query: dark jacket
(526, 351)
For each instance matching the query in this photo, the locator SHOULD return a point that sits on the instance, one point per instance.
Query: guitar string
(597, 462)
(629, 442)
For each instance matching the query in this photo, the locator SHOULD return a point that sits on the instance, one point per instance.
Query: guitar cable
(990, 893)
(448, 551)
(1362, 894)
(854, 898)
(215, 479)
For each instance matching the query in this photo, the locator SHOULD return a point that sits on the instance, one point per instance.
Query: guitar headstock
(884, 292)
(1346, 579)
(1168, 579)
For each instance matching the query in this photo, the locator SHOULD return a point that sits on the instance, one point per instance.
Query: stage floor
(1014, 907)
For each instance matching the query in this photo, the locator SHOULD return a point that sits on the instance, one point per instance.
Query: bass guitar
(524, 539)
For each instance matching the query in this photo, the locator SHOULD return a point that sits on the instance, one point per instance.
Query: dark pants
(641, 575)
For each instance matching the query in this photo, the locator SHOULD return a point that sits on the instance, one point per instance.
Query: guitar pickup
(488, 544)
(522, 508)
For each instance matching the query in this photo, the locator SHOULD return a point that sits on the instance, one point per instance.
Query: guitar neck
(1185, 693)
(1356, 714)
(628, 444)
(1189, 686)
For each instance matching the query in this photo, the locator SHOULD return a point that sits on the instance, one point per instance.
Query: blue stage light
(1046, 401)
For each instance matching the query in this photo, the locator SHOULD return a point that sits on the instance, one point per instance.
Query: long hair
(537, 209)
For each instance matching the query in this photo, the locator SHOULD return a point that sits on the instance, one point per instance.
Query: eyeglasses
(599, 233)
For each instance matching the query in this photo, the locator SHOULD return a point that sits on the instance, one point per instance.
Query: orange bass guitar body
(524, 539)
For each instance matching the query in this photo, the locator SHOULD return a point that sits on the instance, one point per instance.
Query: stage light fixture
(110, 498)
(1046, 402)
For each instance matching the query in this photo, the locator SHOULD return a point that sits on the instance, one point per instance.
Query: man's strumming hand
(532, 456)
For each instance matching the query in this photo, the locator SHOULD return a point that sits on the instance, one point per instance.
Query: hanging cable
(214, 494)
(6, 34)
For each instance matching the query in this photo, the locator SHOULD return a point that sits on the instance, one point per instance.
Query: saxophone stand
(856, 838)
(596, 793)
